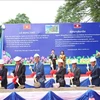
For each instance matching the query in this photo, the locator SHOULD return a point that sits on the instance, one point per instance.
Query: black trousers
(54, 65)
(16, 85)
(4, 85)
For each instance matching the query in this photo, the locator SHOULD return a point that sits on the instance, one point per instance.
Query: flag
(26, 26)
(14, 96)
(77, 25)
(51, 96)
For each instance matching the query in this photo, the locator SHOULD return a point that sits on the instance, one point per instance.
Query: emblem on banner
(27, 26)
(91, 98)
(77, 25)
(52, 29)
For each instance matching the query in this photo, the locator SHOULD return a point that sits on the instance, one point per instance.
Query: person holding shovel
(19, 73)
(3, 74)
(61, 73)
(76, 71)
(95, 72)
(39, 70)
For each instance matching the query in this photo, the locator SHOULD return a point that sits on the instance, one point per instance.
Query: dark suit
(98, 61)
(76, 79)
(95, 76)
(3, 74)
(53, 59)
(40, 76)
(20, 74)
(60, 76)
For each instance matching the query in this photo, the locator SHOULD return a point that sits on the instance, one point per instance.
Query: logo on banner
(77, 25)
(52, 29)
(27, 26)
(91, 98)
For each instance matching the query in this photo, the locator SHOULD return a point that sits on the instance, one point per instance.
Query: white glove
(12, 74)
(90, 78)
(30, 67)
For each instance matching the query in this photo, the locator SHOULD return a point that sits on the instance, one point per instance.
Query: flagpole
(2, 28)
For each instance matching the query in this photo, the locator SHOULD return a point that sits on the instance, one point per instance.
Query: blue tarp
(51, 96)
(11, 86)
(67, 85)
(14, 96)
(28, 86)
(89, 94)
(85, 83)
(48, 84)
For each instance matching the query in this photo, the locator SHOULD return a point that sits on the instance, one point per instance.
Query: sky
(39, 11)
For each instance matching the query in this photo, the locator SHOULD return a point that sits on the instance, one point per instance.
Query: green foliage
(20, 18)
(77, 10)
(94, 9)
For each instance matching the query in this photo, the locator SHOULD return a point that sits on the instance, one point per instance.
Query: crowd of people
(74, 73)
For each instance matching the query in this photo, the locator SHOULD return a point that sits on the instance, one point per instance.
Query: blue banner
(1, 42)
(78, 40)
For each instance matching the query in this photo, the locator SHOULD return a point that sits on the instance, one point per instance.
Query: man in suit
(3, 74)
(76, 71)
(95, 72)
(19, 72)
(39, 69)
(98, 59)
(53, 58)
(60, 73)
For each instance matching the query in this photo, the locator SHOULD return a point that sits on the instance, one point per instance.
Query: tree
(20, 18)
(77, 10)
(94, 9)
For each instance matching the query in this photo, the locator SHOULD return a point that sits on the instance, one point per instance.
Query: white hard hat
(60, 60)
(36, 55)
(1, 61)
(17, 58)
(74, 61)
(92, 59)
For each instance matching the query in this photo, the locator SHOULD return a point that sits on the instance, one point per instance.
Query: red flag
(26, 26)
(77, 25)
